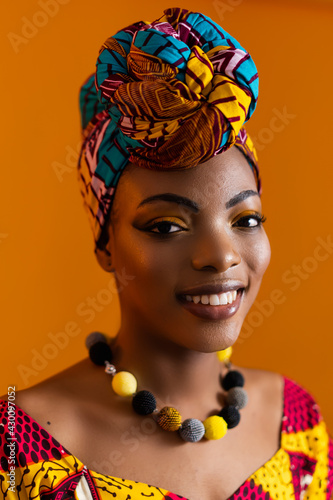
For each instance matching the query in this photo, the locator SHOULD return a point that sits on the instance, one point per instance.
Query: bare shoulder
(263, 377)
(43, 400)
(74, 403)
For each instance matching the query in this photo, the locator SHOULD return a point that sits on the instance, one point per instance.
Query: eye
(165, 227)
(250, 220)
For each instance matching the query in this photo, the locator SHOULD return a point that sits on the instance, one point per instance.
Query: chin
(211, 340)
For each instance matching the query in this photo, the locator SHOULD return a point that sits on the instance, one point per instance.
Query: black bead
(231, 415)
(144, 402)
(100, 352)
(232, 379)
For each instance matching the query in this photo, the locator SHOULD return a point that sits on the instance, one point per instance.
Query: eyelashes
(165, 227)
(244, 220)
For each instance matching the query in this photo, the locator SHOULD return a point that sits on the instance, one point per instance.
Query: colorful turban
(165, 95)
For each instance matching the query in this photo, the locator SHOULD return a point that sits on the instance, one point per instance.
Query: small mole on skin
(48, 423)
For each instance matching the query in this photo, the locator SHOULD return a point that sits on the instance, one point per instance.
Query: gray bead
(192, 430)
(237, 396)
(94, 337)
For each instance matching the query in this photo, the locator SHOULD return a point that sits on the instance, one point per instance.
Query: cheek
(257, 255)
(151, 262)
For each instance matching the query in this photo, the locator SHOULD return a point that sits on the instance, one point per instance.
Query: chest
(140, 451)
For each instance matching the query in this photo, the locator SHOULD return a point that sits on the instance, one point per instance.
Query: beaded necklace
(168, 418)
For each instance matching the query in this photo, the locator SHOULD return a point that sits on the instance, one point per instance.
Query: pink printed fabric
(302, 468)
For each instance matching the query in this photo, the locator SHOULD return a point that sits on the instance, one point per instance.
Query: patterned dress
(34, 465)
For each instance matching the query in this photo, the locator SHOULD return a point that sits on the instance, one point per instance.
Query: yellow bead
(124, 384)
(169, 418)
(215, 427)
(225, 355)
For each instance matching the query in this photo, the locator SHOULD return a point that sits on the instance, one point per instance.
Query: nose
(215, 249)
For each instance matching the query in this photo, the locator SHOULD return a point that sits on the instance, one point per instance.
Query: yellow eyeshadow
(167, 219)
(246, 213)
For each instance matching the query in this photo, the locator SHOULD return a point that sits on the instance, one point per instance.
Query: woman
(170, 183)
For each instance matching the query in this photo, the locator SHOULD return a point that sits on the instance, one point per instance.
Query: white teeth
(213, 299)
(204, 299)
(223, 299)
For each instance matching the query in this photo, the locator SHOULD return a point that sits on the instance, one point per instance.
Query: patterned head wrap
(165, 95)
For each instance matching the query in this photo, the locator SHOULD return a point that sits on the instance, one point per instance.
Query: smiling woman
(171, 186)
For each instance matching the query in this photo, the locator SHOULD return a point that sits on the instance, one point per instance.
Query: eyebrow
(192, 205)
(175, 198)
(240, 197)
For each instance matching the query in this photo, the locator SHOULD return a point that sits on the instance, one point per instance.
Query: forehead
(222, 177)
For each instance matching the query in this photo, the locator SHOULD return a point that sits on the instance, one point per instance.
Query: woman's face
(179, 230)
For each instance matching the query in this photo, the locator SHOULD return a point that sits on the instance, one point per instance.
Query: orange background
(48, 268)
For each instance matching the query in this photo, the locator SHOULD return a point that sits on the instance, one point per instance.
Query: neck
(177, 376)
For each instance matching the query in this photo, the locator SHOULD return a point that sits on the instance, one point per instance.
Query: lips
(208, 311)
(213, 288)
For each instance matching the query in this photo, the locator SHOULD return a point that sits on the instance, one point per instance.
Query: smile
(213, 299)
(214, 306)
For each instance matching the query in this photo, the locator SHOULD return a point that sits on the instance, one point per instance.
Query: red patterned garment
(302, 468)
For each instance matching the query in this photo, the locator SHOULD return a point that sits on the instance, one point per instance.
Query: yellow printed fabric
(35, 466)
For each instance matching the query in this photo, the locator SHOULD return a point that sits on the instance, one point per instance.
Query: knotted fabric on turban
(165, 95)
